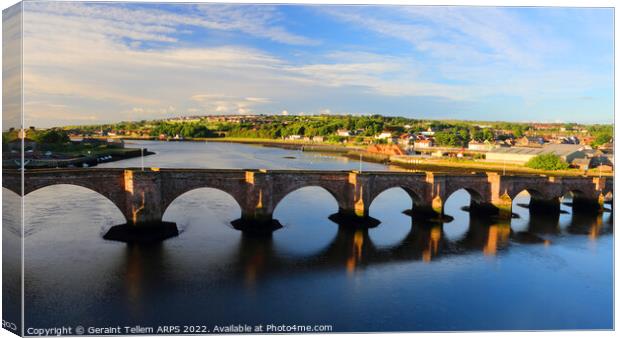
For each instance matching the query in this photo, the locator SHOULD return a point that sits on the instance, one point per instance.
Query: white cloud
(159, 25)
(96, 62)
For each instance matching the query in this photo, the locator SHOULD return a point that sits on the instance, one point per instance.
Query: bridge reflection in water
(210, 264)
(353, 249)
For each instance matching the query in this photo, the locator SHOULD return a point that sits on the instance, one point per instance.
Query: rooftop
(558, 149)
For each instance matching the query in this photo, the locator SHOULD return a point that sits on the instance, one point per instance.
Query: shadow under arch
(209, 193)
(582, 202)
(539, 203)
(476, 200)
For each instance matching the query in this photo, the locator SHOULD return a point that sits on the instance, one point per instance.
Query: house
(406, 140)
(318, 139)
(294, 137)
(520, 155)
(384, 135)
(483, 146)
(530, 141)
(423, 144)
(344, 133)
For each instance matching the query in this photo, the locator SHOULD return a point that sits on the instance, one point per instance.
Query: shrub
(547, 162)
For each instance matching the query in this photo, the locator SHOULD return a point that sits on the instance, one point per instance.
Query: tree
(51, 136)
(601, 138)
(547, 161)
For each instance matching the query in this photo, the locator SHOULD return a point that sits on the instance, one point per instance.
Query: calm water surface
(543, 273)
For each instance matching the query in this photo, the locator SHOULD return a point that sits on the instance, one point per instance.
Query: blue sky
(100, 62)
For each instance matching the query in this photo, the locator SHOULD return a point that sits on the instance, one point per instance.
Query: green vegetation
(547, 162)
(52, 136)
(191, 129)
(363, 129)
(451, 133)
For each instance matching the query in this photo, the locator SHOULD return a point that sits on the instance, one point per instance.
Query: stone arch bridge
(143, 195)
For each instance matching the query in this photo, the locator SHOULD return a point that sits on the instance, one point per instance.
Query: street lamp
(361, 162)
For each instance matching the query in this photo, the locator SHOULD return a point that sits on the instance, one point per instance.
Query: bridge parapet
(143, 195)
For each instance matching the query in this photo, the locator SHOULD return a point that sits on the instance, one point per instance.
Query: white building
(520, 155)
(384, 135)
(344, 133)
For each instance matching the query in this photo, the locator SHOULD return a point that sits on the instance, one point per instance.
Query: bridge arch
(393, 206)
(536, 193)
(277, 199)
(532, 192)
(414, 193)
(117, 202)
(170, 204)
(475, 196)
(170, 196)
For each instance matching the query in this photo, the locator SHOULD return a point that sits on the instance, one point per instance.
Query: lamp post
(142, 158)
(361, 162)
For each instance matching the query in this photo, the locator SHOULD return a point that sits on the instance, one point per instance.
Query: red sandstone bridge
(143, 195)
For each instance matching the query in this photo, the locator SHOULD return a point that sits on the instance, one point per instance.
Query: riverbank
(285, 144)
(463, 165)
(416, 163)
(95, 157)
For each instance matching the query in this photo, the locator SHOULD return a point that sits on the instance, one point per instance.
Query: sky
(104, 62)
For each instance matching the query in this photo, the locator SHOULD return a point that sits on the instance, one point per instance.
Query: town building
(384, 135)
(481, 146)
(423, 144)
(530, 141)
(344, 133)
(520, 155)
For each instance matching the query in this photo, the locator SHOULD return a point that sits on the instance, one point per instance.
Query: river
(531, 274)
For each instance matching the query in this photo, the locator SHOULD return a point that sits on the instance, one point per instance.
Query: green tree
(601, 138)
(51, 136)
(548, 161)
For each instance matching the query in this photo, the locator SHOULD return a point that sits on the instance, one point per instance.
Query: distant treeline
(447, 133)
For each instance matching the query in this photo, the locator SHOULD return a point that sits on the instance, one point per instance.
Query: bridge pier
(351, 219)
(143, 210)
(544, 206)
(256, 223)
(257, 211)
(354, 211)
(503, 207)
(588, 205)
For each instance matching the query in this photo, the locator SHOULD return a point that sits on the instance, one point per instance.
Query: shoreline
(353, 152)
(89, 161)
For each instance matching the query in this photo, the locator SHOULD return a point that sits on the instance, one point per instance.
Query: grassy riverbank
(409, 163)
(461, 165)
